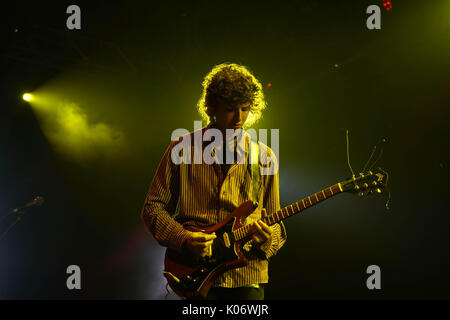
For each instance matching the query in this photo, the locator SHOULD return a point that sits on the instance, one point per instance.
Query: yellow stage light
(27, 97)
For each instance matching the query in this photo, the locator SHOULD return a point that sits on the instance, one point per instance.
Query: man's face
(231, 117)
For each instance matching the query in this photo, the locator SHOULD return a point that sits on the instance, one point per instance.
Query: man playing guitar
(202, 194)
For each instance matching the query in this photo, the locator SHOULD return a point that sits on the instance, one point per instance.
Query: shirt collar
(240, 139)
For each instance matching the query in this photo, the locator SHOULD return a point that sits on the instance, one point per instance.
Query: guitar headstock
(366, 183)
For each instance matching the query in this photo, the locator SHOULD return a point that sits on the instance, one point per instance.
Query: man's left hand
(262, 232)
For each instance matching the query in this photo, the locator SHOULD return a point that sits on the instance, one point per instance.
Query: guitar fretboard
(291, 209)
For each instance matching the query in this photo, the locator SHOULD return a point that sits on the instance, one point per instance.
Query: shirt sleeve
(271, 202)
(160, 205)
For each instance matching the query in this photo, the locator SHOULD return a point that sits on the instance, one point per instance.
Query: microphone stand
(20, 212)
(19, 216)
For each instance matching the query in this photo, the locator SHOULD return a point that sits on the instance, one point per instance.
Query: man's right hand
(199, 243)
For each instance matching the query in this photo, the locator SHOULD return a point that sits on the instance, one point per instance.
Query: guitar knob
(365, 185)
(374, 183)
(360, 194)
(378, 190)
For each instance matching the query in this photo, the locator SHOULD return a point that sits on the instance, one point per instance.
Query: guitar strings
(389, 198)
(371, 155)
(383, 141)
(387, 188)
(381, 152)
(348, 156)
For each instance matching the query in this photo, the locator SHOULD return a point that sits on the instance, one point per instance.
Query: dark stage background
(133, 74)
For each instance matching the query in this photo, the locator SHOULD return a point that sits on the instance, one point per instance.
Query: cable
(168, 292)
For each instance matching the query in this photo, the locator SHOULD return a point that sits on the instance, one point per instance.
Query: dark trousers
(241, 293)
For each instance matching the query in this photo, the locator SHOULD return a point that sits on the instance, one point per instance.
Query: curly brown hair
(232, 84)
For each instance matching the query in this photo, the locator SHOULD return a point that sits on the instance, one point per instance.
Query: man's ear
(212, 114)
(211, 111)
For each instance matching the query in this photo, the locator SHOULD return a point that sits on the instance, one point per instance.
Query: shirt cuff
(179, 240)
(264, 248)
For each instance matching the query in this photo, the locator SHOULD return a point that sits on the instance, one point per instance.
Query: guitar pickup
(226, 240)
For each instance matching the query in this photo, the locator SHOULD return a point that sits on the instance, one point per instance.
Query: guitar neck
(301, 205)
(291, 209)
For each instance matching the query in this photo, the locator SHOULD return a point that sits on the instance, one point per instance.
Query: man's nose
(238, 115)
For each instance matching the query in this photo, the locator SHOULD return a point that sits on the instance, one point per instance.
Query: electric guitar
(190, 276)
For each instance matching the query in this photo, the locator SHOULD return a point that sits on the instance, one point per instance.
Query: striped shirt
(201, 195)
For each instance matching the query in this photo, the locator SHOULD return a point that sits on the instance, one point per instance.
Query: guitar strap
(254, 156)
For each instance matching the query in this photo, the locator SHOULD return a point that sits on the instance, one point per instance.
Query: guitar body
(190, 277)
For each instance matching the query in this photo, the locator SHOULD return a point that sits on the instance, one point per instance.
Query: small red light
(387, 5)
(269, 85)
